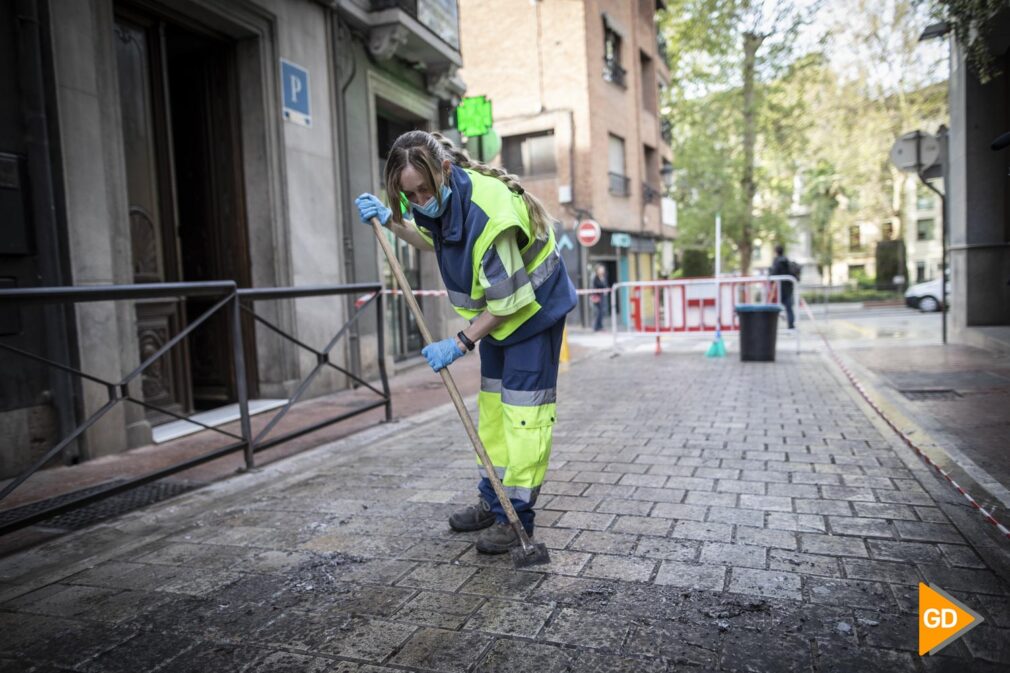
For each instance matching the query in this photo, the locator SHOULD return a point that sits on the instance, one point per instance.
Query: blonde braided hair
(426, 152)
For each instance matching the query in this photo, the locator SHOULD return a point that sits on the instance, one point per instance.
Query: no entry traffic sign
(589, 233)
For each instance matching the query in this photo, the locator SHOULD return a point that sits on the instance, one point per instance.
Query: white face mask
(431, 208)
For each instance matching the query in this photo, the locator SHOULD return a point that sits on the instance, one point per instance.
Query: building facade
(978, 199)
(149, 141)
(923, 231)
(855, 247)
(575, 90)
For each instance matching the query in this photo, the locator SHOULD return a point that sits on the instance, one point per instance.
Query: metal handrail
(322, 356)
(620, 185)
(613, 72)
(232, 300)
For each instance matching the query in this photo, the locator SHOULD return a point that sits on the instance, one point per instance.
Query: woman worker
(495, 249)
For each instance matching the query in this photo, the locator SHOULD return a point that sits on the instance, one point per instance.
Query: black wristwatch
(465, 340)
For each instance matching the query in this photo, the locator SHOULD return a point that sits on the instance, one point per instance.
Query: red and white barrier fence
(360, 301)
(692, 305)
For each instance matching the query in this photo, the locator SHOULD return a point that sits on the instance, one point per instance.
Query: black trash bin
(759, 325)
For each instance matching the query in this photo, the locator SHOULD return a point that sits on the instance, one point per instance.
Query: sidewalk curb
(993, 494)
(984, 537)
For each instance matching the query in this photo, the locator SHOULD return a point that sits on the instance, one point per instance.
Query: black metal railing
(650, 193)
(409, 6)
(662, 47)
(620, 185)
(666, 130)
(613, 72)
(230, 300)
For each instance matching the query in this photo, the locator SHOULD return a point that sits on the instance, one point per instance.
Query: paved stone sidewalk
(702, 516)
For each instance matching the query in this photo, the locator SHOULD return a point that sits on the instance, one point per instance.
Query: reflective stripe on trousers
(517, 411)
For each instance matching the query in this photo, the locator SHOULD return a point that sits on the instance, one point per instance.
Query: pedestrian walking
(783, 266)
(597, 298)
(495, 249)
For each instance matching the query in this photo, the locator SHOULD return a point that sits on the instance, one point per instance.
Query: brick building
(575, 87)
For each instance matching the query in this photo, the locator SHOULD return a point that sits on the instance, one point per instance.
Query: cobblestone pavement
(702, 515)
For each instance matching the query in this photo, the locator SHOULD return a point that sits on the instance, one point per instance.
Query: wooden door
(181, 130)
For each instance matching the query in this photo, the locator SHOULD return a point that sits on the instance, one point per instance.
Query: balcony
(409, 6)
(666, 130)
(650, 194)
(662, 48)
(419, 31)
(620, 185)
(613, 72)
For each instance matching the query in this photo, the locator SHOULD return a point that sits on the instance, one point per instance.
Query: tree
(822, 125)
(823, 194)
(733, 48)
(899, 83)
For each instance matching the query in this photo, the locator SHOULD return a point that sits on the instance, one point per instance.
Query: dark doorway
(183, 157)
(36, 401)
(407, 341)
(213, 239)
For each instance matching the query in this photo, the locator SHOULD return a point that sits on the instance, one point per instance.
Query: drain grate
(113, 506)
(927, 394)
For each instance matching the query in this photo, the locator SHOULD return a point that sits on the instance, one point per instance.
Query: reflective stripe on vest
(465, 301)
(534, 250)
(546, 268)
(537, 277)
(508, 287)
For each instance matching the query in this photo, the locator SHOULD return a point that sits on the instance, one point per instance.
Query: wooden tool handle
(450, 385)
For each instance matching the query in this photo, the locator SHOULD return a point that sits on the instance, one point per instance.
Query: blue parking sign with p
(295, 89)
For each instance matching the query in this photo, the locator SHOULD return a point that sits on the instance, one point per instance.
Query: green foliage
(822, 130)
(696, 262)
(705, 107)
(863, 281)
(822, 195)
(850, 296)
(890, 263)
(971, 21)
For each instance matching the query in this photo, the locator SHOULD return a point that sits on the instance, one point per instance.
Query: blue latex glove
(442, 353)
(370, 206)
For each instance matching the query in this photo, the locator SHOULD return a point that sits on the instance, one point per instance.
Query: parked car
(926, 296)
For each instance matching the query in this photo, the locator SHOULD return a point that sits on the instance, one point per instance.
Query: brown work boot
(474, 517)
(498, 539)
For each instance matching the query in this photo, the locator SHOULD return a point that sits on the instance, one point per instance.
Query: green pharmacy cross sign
(473, 116)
